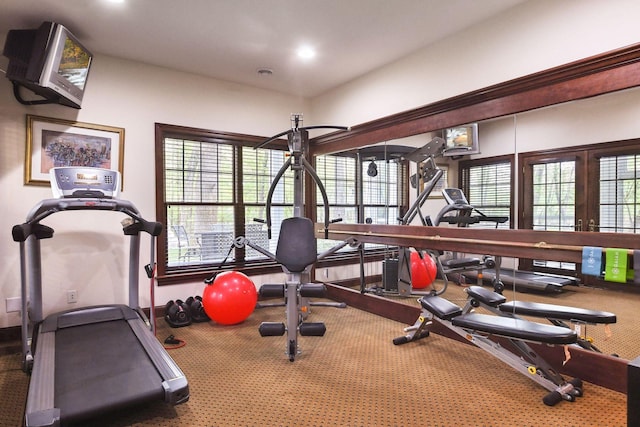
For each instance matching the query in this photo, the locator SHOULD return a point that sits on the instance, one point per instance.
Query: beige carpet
(353, 376)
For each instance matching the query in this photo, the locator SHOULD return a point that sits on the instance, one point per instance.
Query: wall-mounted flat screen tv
(461, 140)
(49, 61)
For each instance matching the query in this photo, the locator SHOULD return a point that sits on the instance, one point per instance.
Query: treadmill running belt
(101, 367)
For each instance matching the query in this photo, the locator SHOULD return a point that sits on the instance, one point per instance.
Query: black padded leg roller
(271, 291)
(271, 329)
(313, 290)
(312, 329)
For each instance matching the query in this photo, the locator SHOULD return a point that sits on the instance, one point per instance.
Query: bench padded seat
(485, 296)
(461, 262)
(515, 328)
(440, 307)
(559, 312)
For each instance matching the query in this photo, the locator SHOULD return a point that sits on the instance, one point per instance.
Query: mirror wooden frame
(605, 73)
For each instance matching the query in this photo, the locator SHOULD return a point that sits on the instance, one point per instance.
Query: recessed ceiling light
(306, 52)
(265, 72)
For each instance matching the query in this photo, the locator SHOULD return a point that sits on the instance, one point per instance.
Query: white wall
(132, 96)
(531, 37)
(534, 36)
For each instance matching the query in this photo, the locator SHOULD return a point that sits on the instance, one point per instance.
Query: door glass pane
(619, 194)
(554, 196)
(554, 201)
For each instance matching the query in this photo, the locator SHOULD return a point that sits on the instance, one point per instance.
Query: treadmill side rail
(174, 381)
(44, 418)
(40, 410)
(176, 390)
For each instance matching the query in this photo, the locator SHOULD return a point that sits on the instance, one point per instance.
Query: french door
(594, 189)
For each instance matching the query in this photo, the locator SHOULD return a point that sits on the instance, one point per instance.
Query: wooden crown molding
(596, 75)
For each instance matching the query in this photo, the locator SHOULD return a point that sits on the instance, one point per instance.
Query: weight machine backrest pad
(297, 246)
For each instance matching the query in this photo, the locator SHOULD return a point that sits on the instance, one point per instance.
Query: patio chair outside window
(186, 249)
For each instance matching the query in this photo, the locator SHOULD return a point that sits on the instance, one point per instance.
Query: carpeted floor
(353, 376)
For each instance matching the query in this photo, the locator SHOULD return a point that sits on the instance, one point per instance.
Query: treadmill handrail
(48, 207)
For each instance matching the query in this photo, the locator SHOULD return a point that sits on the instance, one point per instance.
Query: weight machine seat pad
(514, 328)
(461, 262)
(485, 296)
(440, 307)
(297, 245)
(558, 312)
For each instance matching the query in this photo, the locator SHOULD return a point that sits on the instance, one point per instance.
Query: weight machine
(297, 246)
(397, 272)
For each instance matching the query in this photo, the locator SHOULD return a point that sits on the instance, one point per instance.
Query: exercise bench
(479, 328)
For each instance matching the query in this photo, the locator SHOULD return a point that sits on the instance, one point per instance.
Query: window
(620, 194)
(338, 175)
(554, 196)
(259, 170)
(213, 187)
(199, 200)
(487, 185)
(380, 191)
(588, 188)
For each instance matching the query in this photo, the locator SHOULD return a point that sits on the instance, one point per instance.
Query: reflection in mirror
(605, 119)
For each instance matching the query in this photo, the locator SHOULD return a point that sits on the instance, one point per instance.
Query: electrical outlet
(72, 297)
(13, 304)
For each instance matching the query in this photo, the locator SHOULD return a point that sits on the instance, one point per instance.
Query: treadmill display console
(84, 182)
(454, 196)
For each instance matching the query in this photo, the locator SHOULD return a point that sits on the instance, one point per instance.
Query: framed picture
(55, 142)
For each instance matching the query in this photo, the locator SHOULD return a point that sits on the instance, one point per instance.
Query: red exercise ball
(230, 299)
(423, 270)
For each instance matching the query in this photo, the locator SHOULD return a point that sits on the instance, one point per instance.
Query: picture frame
(55, 142)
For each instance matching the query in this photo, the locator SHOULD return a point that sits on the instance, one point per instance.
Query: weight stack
(390, 274)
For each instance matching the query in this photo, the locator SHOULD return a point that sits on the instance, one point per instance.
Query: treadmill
(527, 280)
(522, 280)
(93, 360)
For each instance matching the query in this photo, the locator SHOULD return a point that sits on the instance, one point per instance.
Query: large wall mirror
(580, 121)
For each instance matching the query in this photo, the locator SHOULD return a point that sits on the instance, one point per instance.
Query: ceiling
(232, 39)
